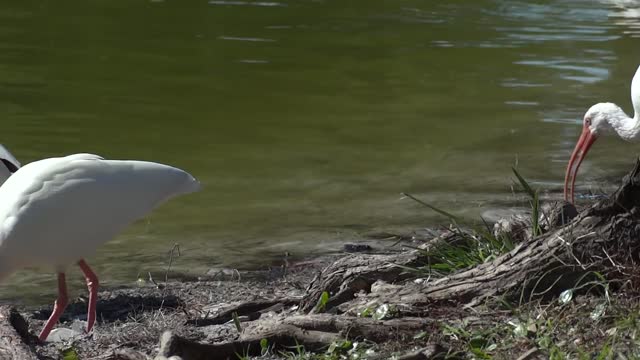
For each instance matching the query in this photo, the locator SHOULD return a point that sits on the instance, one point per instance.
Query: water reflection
(625, 13)
(250, 39)
(247, 3)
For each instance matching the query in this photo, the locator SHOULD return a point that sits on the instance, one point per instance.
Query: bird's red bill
(584, 143)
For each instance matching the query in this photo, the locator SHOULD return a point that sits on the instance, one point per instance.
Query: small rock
(516, 227)
(79, 326)
(557, 214)
(357, 247)
(62, 335)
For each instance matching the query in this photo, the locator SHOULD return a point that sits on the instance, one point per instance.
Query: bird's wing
(58, 210)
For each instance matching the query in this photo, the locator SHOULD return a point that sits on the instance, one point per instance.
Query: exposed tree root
(601, 239)
(356, 273)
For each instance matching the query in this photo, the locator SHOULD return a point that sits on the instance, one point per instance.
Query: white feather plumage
(57, 211)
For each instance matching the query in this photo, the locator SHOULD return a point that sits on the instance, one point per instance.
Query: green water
(305, 120)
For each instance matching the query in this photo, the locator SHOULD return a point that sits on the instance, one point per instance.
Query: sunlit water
(305, 120)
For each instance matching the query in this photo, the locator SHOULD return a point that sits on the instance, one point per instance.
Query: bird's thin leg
(58, 307)
(92, 284)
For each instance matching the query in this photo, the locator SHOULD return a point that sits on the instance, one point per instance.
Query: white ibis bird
(57, 211)
(603, 119)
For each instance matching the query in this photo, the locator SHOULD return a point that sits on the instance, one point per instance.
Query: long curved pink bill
(579, 152)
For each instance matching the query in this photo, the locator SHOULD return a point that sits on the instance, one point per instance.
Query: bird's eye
(587, 121)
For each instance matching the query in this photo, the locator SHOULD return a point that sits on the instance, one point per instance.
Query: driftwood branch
(314, 332)
(249, 310)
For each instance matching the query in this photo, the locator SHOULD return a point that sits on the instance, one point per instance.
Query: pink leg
(58, 307)
(92, 284)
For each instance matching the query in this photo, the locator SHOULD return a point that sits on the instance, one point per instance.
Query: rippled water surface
(305, 120)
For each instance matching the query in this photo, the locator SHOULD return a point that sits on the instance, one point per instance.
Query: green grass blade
(524, 183)
(535, 203)
(236, 321)
(439, 211)
(535, 216)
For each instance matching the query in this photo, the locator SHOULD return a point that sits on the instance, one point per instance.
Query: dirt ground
(136, 318)
(132, 321)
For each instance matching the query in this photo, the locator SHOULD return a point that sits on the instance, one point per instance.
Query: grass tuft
(475, 245)
(534, 203)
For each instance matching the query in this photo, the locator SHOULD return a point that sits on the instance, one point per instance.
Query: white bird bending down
(602, 119)
(57, 211)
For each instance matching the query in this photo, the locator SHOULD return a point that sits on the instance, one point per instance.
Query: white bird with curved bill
(603, 119)
(57, 211)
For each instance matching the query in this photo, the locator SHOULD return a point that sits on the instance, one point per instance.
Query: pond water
(306, 119)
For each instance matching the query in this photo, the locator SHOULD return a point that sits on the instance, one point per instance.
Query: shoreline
(452, 293)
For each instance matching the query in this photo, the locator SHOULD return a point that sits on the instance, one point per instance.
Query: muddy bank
(133, 320)
(196, 309)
